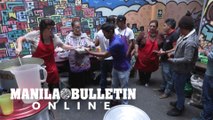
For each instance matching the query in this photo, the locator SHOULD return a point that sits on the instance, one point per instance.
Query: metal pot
(122, 112)
(7, 79)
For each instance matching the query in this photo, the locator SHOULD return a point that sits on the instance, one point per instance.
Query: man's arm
(188, 55)
(99, 54)
(19, 42)
(97, 42)
(131, 48)
(67, 47)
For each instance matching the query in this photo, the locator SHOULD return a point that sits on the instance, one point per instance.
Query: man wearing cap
(126, 33)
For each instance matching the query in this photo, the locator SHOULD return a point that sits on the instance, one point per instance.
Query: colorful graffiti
(17, 17)
(207, 24)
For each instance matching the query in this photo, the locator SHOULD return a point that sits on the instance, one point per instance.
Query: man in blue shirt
(117, 49)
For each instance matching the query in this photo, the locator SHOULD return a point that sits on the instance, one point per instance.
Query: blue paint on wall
(113, 3)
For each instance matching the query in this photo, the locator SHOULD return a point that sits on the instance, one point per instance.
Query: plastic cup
(6, 104)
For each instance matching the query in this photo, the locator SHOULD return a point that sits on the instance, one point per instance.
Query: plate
(81, 50)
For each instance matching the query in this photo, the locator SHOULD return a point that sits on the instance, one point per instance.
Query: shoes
(164, 96)
(175, 112)
(173, 104)
(159, 90)
(146, 85)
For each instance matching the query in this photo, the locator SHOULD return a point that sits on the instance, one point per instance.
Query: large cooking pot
(122, 112)
(7, 79)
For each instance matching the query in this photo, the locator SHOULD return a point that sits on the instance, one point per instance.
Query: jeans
(180, 80)
(120, 80)
(106, 67)
(168, 83)
(207, 98)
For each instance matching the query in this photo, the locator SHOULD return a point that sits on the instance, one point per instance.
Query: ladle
(19, 59)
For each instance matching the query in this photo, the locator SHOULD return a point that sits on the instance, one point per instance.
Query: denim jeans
(168, 83)
(120, 80)
(207, 98)
(106, 67)
(180, 80)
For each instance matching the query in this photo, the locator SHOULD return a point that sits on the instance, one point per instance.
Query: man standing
(207, 97)
(126, 33)
(106, 64)
(121, 65)
(185, 56)
(169, 43)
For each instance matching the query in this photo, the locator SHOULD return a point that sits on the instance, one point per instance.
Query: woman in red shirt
(147, 60)
(43, 43)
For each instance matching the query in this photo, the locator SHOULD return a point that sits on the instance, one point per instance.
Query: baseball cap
(121, 18)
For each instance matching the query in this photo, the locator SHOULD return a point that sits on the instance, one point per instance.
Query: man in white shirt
(127, 34)
(106, 64)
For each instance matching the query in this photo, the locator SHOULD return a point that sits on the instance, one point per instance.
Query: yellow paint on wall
(12, 14)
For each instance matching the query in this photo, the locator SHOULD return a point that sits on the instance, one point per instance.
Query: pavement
(146, 99)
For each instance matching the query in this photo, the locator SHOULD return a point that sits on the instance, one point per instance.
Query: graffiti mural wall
(17, 17)
(206, 29)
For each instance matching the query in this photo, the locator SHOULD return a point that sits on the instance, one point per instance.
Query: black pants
(144, 77)
(79, 80)
(106, 67)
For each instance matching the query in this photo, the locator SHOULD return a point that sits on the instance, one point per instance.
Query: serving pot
(122, 112)
(7, 79)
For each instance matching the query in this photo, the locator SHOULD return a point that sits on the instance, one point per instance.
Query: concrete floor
(147, 100)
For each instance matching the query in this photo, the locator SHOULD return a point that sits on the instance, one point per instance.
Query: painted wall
(17, 17)
(206, 29)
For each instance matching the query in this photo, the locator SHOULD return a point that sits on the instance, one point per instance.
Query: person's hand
(18, 51)
(170, 55)
(87, 50)
(157, 52)
(132, 53)
(170, 60)
(201, 51)
(205, 52)
(162, 52)
(136, 54)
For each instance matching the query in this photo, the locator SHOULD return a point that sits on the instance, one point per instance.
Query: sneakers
(175, 112)
(164, 96)
(159, 90)
(146, 85)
